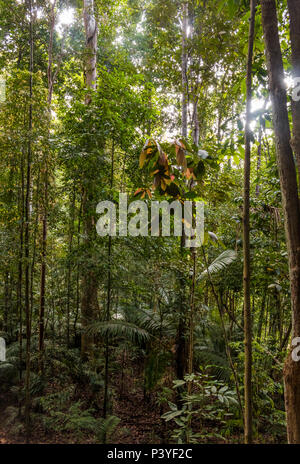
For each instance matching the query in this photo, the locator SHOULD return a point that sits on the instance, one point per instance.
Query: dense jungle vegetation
(141, 339)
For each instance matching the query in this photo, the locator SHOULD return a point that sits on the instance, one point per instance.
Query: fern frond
(107, 427)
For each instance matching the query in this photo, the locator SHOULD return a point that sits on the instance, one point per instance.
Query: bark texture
(294, 13)
(289, 191)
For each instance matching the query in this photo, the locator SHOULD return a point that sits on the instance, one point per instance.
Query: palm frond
(150, 320)
(119, 329)
(222, 261)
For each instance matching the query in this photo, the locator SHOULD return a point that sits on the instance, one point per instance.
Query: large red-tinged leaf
(139, 190)
(147, 152)
(163, 159)
(156, 181)
(151, 148)
(163, 184)
(143, 157)
(180, 154)
(190, 173)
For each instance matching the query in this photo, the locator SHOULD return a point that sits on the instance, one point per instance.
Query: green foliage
(106, 428)
(209, 401)
(8, 374)
(120, 329)
(90, 153)
(75, 420)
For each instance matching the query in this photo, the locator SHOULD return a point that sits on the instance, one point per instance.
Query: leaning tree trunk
(89, 303)
(289, 191)
(246, 240)
(294, 12)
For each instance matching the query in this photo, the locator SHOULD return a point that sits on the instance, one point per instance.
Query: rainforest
(149, 223)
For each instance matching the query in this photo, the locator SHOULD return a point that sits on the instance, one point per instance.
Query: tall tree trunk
(78, 272)
(246, 240)
(289, 191)
(108, 302)
(184, 65)
(27, 232)
(294, 13)
(20, 272)
(226, 341)
(180, 354)
(45, 194)
(89, 302)
(90, 26)
(70, 247)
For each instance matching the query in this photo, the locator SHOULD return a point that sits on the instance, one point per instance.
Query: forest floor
(140, 420)
(141, 423)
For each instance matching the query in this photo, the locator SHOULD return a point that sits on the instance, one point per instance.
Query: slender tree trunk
(246, 240)
(43, 278)
(89, 302)
(91, 46)
(20, 273)
(289, 191)
(184, 65)
(108, 302)
(45, 195)
(226, 341)
(70, 247)
(107, 318)
(27, 233)
(294, 13)
(190, 363)
(193, 251)
(78, 272)
(180, 355)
